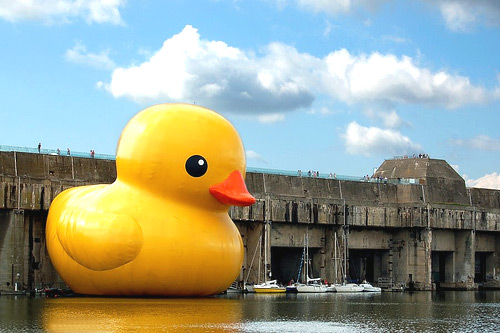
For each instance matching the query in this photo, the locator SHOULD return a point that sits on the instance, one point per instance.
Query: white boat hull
(348, 288)
(369, 288)
(311, 288)
(268, 287)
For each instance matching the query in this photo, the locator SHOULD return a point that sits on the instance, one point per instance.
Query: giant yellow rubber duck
(162, 228)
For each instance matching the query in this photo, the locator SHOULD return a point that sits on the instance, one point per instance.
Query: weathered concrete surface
(443, 183)
(396, 222)
(418, 235)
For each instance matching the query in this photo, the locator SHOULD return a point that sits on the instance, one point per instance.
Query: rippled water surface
(397, 312)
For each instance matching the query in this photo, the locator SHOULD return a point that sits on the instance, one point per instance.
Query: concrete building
(415, 224)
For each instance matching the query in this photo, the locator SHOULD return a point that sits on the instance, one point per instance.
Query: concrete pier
(415, 225)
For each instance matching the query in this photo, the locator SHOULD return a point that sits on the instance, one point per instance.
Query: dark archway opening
(442, 267)
(286, 263)
(480, 267)
(362, 265)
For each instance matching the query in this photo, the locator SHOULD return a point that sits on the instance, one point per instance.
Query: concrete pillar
(252, 242)
(5, 250)
(12, 250)
(19, 263)
(329, 257)
(491, 268)
(464, 259)
(411, 253)
(496, 259)
(378, 265)
(450, 269)
(323, 262)
(426, 282)
(399, 251)
(267, 250)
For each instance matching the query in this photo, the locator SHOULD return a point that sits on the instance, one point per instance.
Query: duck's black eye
(196, 166)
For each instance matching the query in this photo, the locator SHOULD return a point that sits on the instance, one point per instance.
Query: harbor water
(450, 311)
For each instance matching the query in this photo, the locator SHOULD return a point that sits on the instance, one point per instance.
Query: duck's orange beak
(232, 191)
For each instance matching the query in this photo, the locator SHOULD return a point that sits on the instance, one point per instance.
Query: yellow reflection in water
(130, 314)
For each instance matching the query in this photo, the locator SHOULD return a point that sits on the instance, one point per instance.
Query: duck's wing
(96, 239)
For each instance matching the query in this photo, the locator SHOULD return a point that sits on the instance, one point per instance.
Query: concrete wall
(23, 253)
(411, 257)
(12, 250)
(370, 239)
(399, 225)
(464, 259)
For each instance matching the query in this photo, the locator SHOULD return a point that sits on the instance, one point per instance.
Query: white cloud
(216, 75)
(456, 16)
(387, 78)
(392, 119)
(491, 181)
(482, 142)
(279, 78)
(271, 118)
(462, 15)
(51, 11)
(370, 141)
(78, 54)
(389, 119)
(252, 155)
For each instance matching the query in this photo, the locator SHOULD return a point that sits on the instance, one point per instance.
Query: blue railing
(333, 176)
(323, 175)
(249, 169)
(56, 152)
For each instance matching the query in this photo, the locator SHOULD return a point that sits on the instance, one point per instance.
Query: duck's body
(157, 230)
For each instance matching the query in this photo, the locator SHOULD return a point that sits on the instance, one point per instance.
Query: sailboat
(248, 287)
(271, 286)
(348, 288)
(344, 287)
(312, 285)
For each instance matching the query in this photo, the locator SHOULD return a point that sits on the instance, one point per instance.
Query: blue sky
(334, 86)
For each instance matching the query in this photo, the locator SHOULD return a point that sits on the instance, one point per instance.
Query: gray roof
(417, 168)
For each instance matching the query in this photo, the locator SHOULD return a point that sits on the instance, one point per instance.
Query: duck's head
(185, 153)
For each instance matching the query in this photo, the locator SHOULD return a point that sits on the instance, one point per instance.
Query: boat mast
(336, 269)
(345, 259)
(260, 260)
(265, 252)
(345, 245)
(251, 264)
(307, 256)
(301, 263)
